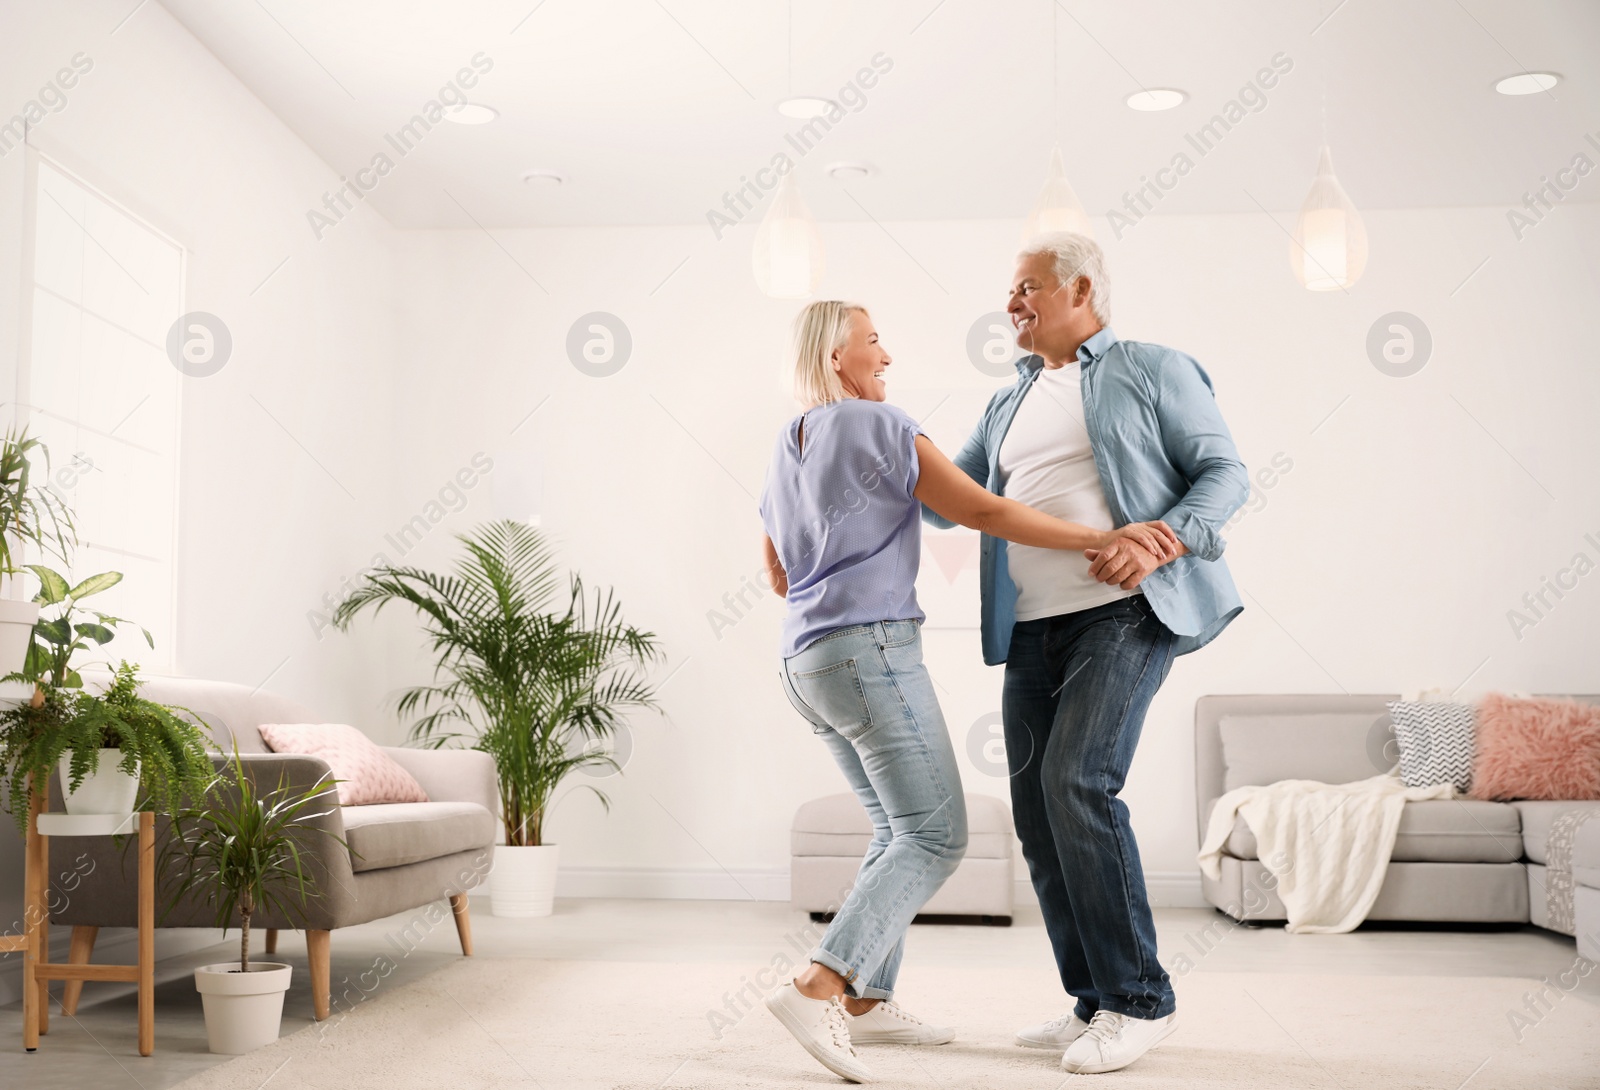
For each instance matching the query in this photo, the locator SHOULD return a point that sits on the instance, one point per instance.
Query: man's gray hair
(1073, 255)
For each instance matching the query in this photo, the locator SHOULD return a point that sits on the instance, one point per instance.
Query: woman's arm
(777, 578)
(949, 492)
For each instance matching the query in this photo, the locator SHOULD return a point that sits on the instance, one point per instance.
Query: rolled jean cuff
(1132, 1010)
(853, 984)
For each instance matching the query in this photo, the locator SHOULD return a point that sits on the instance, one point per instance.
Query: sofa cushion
(1536, 748)
(1537, 814)
(1329, 747)
(365, 773)
(1435, 831)
(396, 833)
(838, 825)
(1436, 742)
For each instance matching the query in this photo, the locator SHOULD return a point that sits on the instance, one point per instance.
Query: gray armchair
(399, 856)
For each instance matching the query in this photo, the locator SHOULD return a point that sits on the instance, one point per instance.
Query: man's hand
(1125, 562)
(1156, 536)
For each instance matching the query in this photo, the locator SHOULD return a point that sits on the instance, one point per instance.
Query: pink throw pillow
(366, 773)
(1536, 749)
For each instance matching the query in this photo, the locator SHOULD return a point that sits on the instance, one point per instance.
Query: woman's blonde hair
(820, 330)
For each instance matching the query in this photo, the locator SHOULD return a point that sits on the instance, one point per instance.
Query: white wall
(1385, 560)
(160, 126)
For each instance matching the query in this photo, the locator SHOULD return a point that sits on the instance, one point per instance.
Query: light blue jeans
(866, 693)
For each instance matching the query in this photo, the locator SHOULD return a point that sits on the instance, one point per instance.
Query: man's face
(1042, 310)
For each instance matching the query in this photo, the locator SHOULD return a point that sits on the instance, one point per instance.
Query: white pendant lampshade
(1058, 207)
(787, 255)
(1329, 251)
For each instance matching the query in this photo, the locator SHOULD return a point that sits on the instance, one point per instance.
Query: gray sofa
(398, 857)
(1460, 860)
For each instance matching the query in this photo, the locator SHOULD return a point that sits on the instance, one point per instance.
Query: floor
(96, 1049)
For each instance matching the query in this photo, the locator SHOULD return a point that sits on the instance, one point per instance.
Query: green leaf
(99, 633)
(52, 587)
(95, 584)
(56, 631)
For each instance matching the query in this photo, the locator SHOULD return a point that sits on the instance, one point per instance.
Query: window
(96, 386)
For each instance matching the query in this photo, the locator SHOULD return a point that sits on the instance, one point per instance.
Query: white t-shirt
(1046, 462)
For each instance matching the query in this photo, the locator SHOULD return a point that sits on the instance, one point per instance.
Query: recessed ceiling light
(1527, 83)
(849, 172)
(1156, 98)
(806, 107)
(471, 113)
(544, 179)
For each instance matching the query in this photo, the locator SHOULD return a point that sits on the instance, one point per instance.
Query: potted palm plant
(110, 748)
(536, 678)
(30, 515)
(240, 850)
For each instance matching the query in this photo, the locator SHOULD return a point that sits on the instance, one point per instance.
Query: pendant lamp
(1329, 251)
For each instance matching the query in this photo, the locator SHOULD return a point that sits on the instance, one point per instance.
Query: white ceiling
(655, 110)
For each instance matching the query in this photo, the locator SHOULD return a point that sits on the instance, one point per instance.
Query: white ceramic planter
(523, 882)
(107, 790)
(16, 632)
(243, 1010)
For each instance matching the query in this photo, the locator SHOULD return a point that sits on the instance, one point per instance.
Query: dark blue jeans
(1076, 690)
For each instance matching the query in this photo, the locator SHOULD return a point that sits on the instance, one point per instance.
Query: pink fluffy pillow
(366, 774)
(1536, 749)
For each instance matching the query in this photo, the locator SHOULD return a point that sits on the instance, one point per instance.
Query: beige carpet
(503, 1023)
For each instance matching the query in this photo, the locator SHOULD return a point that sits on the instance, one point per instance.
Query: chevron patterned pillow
(1436, 743)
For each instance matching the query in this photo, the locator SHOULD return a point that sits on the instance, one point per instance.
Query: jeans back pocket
(836, 694)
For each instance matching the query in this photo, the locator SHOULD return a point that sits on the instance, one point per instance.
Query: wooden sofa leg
(272, 940)
(78, 953)
(317, 951)
(458, 906)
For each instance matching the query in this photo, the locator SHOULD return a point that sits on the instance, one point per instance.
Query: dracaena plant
(30, 513)
(242, 850)
(165, 750)
(534, 677)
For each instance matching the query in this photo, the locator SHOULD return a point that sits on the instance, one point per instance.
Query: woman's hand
(1156, 537)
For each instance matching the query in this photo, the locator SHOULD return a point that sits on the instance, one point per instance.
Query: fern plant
(241, 849)
(166, 751)
(539, 679)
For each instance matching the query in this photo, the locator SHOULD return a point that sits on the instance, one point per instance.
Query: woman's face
(862, 362)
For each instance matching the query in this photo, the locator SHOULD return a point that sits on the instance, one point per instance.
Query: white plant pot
(16, 633)
(243, 1010)
(107, 790)
(523, 882)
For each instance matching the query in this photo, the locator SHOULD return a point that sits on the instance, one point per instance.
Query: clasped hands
(1131, 552)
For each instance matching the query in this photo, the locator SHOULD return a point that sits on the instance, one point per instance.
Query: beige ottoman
(830, 836)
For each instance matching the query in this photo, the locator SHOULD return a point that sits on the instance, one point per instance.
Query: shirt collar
(1097, 346)
(1089, 351)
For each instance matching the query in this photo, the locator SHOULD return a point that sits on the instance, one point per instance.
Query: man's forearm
(1215, 495)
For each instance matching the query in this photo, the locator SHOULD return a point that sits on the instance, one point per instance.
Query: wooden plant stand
(34, 943)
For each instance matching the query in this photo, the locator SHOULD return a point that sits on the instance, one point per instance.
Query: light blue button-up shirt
(1163, 452)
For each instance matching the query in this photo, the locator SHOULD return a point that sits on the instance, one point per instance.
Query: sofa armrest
(452, 775)
(96, 884)
(297, 771)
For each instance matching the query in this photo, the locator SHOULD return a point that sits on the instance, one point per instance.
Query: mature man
(1102, 432)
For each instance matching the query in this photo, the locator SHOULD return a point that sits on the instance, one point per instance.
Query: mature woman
(843, 540)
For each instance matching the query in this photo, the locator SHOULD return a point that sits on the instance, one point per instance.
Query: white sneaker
(889, 1024)
(1113, 1041)
(1055, 1036)
(821, 1026)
